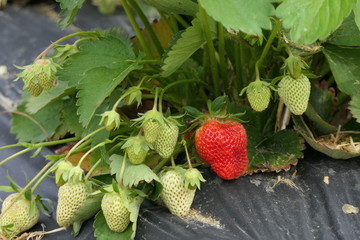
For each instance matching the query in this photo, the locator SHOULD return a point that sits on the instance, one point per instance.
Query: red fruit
(222, 143)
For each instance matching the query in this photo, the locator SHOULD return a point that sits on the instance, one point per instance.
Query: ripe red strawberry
(222, 143)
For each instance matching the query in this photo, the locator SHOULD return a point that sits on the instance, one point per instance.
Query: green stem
(89, 151)
(82, 140)
(172, 161)
(148, 27)
(77, 34)
(187, 155)
(121, 98)
(150, 61)
(167, 24)
(122, 170)
(223, 65)
(92, 169)
(180, 82)
(15, 155)
(266, 49)
(181, 20)
(136, 28)
(160, 165)
(238, 69)
(37, 184)
(211, 48)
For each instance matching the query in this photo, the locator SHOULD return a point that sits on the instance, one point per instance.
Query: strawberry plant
(238, 85)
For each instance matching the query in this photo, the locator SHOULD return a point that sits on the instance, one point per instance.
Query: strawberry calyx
(136, 148)
(111, 120)
(217, 110)
(76, 175)
(193, 178)
(62, 172)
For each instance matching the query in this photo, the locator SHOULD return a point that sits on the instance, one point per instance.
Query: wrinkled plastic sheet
(304, 203)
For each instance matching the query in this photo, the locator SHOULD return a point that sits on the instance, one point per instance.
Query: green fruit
(18, 215)
(136, 158)
(71, 197)
(258, 95)
(174, 194)
(151, 130)
(34, 88)
(295, 93)
(167, 139)
(136, 148)
(116, 214)
(45, 73)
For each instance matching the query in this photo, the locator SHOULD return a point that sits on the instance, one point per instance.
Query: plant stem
(266, 49)
(223, 65)
(187, 155)
(211, 48)
(122, 170)
(238, 77)
(37, 184)
(92, 169)
(167, 24)
(82, 140)
(136, 28)
(172, 161)
(180, 82)
(77, 34)
(181, 20)
(148, 27)
(160, 165)
(15, 155)
(89, 151)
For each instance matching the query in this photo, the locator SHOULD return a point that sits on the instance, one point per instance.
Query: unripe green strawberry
(136, 148)
(18, 215)
(174, 194)
(34, 88)
(116, 214)
(295, 93)
(136, 158)
(151, 130)
(258, 95)
(167, 139)
(71, 197)
(45, 73)
(111, 120)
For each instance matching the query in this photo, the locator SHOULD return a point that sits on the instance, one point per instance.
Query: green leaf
(69, 11)
(107, 52)
(241, 15)
(115, 165)
(103, 232)
(134, 174)
(355, 107)
(34, 104)
(310, 20)
(345, 66)
(191, 40)
(134, 208)
(185, 7)
(357, 13)
(36, 127)
(275, 153)
(6, 189)
(348, 34)
(99, 67)
(70, 118)
(91, 206)
(96, 86)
